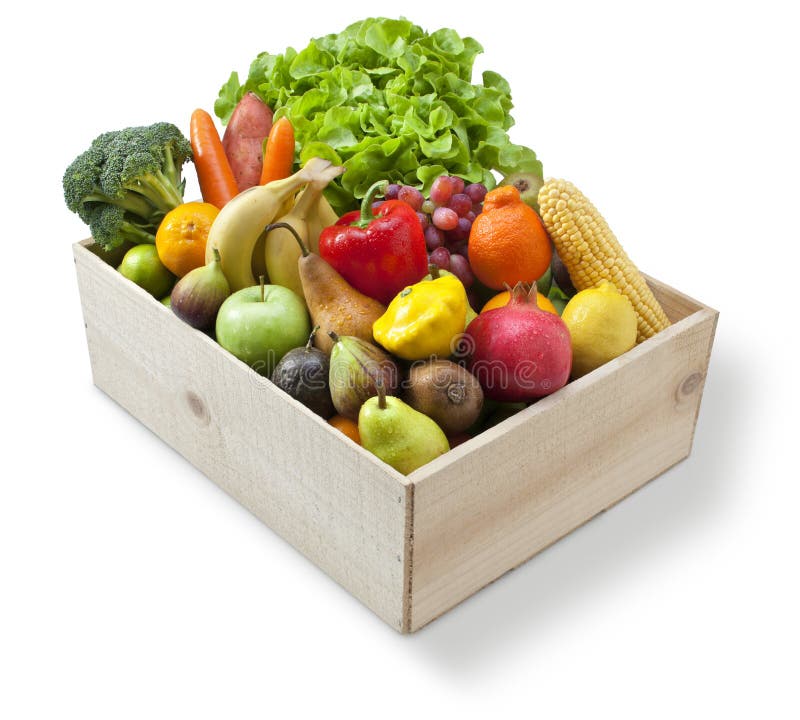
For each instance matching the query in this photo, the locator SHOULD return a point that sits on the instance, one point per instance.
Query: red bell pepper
(378, 254)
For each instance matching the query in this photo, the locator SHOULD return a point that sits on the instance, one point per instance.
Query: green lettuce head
(390, 101)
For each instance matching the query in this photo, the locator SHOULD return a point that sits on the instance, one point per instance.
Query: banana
(259, 267)
(325, 216)
(236, 229)
(282, 250)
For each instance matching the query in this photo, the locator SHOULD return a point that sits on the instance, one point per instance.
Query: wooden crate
(409, 547)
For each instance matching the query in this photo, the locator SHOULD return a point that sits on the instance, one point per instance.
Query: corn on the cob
(591, 252)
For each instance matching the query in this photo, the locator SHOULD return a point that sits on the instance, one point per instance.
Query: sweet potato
(244, 137)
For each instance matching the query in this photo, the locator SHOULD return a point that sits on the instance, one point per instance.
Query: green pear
(399, 435)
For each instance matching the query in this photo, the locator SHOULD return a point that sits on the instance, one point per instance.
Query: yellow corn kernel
(591, 253)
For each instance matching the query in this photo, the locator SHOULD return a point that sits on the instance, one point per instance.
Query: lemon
(602, 325)
(142, 265)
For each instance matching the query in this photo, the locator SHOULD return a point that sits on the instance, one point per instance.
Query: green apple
(260, 324)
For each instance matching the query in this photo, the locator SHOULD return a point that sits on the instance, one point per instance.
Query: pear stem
(381, 392)
(261, 283)
(287, 226)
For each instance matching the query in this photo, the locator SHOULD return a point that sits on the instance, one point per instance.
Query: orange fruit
(347, 426)
(502, 299)
(508, 242)
(181, 237)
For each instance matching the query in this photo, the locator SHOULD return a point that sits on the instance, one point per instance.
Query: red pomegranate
(518, 352)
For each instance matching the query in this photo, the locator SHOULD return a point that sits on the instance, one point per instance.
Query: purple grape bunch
(446, 217)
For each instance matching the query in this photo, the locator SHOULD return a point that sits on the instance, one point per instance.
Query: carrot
(278, 152)
(217, 183)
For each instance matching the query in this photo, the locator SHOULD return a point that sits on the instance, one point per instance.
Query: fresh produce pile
(354, 246)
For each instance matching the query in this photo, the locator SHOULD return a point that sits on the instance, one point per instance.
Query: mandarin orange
(181, 237)
(508, 242)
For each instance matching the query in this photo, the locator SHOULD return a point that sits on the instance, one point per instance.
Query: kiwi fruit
(447, 393)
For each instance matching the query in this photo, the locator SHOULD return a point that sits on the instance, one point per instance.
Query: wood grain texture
(494, 502)
(324, 494)
(676, 305)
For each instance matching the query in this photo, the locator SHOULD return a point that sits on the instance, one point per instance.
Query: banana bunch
(308, 218)
(236, 230)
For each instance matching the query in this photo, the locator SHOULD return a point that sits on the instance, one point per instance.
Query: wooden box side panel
(520, 486)
(319, 491)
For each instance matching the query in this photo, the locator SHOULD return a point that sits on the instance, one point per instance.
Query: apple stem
(287, 226)
(261, 283)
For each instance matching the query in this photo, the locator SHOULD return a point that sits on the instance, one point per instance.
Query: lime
(602, 324)
(142, 266)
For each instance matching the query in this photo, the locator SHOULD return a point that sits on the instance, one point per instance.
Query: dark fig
(303, 373)
(356, 366)
(198, 295)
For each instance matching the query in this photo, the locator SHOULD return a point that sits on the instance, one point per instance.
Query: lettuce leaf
(391, 101)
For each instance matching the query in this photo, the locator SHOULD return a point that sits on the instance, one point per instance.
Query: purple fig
(198, 295)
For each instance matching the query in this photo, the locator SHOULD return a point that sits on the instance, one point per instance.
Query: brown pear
(333, 303)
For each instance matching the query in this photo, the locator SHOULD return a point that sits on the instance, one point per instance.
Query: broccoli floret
(126, 181)
(110, 227)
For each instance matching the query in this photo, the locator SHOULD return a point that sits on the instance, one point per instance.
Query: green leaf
(308, 103)
(441, 147)
(339, 127)
(440, 117)
(388, 37)
(448, 41)
(229, 94)
(518, 158)
(320, 150)
(311, 61)
(495, 80)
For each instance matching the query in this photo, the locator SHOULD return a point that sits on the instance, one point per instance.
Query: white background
(131, 587)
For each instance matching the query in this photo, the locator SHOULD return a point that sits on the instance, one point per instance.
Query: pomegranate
(518, 352)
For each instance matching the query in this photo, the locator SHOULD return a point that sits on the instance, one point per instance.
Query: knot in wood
(197, 407)
(689, 386)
